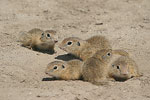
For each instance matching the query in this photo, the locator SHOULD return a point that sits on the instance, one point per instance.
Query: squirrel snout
(46, 72)
(125, 73)
(55, 41)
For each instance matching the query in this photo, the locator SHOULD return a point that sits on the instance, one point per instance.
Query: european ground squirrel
(124, 68)
(84, 48)
(70, 70)
(38, 40)
(95, 68)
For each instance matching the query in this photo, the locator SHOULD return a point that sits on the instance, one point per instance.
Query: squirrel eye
(55, 67)
(48, 35)
(69, 43)
(63, 66)
(108, 54)
(118, 67)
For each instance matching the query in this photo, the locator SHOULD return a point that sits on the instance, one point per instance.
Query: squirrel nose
(46, 72)
(125, 73)
(55, 41)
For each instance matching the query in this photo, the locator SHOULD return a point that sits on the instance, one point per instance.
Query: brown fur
(99, 42)
(96, 68)
(84, 48)
(124, 68)
(72, 70)
(38, 39)
(120, 52)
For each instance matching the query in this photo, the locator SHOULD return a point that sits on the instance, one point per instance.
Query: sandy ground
(126, 23)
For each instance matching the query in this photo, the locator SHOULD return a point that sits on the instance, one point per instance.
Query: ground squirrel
(96, 68)
(84, 48)
(70, 70)
(124, 68)
(38, 40)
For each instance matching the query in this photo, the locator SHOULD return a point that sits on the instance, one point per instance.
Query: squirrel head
(72, 45)
(124, 68)
(56, 69)
(103, 55)
(49, 36)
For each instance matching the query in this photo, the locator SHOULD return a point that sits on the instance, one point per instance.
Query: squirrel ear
(78, 43)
